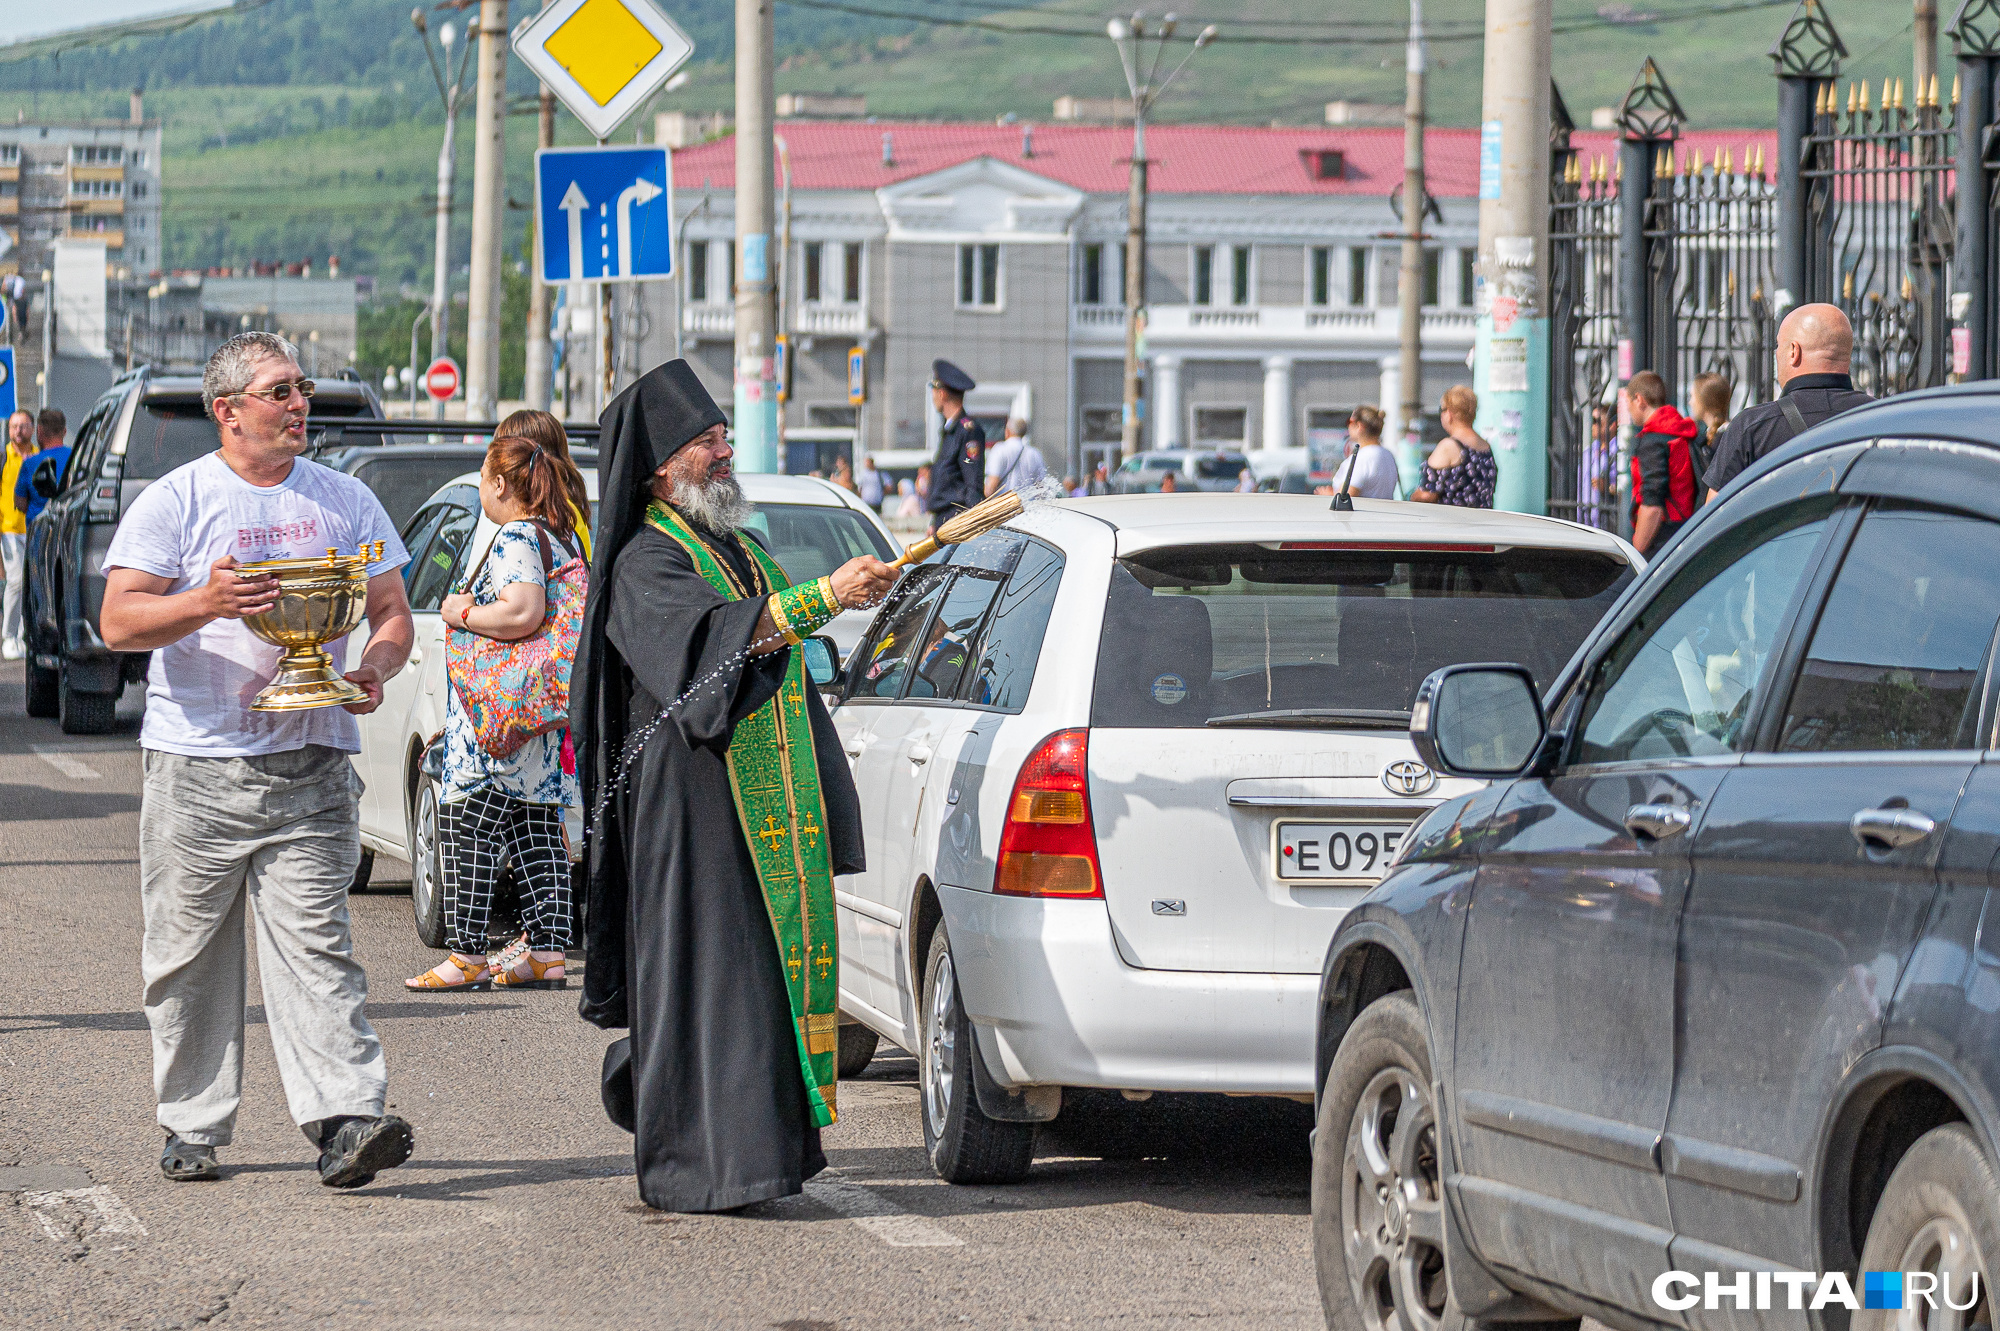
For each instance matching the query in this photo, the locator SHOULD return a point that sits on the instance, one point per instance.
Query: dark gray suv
(1707, 980)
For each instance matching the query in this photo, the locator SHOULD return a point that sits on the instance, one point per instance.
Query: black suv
(1702, 984)
(142, 428)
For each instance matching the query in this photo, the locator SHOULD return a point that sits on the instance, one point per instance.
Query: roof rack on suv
(334, 431)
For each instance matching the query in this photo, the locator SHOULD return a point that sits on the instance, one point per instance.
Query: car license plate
(1343, 851)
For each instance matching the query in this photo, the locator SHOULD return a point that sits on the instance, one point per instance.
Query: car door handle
(1657, 822)
(1890, 829)
(920, 754)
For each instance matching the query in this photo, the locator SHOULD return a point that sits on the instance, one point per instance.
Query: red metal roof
(1187, 159)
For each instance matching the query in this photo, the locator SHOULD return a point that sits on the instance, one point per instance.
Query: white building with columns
(1272, 272)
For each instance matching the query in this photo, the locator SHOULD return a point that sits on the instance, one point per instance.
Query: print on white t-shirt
(199, 690)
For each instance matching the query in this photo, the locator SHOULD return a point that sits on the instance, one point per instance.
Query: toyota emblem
(1408, 777)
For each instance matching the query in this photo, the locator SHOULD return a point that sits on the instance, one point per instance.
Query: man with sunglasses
(246, 808)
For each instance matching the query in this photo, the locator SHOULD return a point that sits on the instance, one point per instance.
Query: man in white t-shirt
(249, 808)
(1369, 470)
(1014, 463)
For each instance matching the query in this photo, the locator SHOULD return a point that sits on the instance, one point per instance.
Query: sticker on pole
(441, 379)
(602, 57)
(604, 214)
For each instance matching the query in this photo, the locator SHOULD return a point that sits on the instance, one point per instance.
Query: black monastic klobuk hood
(643, 427)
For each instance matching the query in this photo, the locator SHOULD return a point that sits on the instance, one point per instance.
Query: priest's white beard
(715, 505)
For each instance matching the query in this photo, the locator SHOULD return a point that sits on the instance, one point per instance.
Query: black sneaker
(188, 1162)
(354, 1150)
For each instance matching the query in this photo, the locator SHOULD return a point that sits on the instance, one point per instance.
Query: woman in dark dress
(1460, 470)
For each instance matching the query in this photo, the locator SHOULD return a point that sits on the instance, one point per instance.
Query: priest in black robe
(686, 945)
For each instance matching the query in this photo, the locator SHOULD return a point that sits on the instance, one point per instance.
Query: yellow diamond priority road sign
(602, 57)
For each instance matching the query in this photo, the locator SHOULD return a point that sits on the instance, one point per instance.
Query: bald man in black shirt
(1815, 352)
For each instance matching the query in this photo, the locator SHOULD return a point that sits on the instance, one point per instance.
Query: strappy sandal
(531, 973)
(188, 1162)
(471, 976)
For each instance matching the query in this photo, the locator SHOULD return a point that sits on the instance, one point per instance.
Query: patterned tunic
(535, 773)
(1467, 485)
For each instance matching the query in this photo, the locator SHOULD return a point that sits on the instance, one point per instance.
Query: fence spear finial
(1853, 96)
(1954, 89)
(1934, 90)
(1728, 162)
(1899, 93)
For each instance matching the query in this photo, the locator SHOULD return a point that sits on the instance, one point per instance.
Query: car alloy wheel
(1939, 1213)
(1392, 1220)
(940, 1044)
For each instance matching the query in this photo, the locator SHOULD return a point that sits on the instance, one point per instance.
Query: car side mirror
(822, 660)
(1481, 721)
(46, 480)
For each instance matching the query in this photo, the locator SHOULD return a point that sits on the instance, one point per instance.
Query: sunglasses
(280, 394)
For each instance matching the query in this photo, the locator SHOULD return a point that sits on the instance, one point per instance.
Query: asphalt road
(519, 1207)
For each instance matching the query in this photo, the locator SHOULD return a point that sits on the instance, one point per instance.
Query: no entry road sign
(441, 379)
(604, 214)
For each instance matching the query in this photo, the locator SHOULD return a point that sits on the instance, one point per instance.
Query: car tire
(857, 1048)
(363, 871)
(41, 683)
(430, 902)
(1939, 1213)
(1378, 1219)
(964, 1145)
(84, 713)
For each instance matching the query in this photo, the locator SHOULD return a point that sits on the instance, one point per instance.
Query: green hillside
(310, 127)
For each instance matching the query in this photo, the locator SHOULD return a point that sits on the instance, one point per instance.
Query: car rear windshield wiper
(1335, 718)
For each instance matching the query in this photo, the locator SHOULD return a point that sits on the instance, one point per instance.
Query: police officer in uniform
(958, 473)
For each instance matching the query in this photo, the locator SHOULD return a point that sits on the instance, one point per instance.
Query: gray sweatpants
(280, 830)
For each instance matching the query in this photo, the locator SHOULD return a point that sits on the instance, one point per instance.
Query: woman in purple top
(1461, 470)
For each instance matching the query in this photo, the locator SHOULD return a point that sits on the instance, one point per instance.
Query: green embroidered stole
(774, 776)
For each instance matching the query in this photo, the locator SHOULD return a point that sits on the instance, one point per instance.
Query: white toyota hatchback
(810, 526)
(1125, 762)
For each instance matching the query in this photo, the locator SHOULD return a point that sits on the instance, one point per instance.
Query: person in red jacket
(1663, 477)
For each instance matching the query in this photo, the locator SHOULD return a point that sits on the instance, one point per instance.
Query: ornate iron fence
(1880, 228)
(1711, 240)
(1584, 315)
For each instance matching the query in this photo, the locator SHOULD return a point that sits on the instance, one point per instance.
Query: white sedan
(810, 526)
(1125, 762)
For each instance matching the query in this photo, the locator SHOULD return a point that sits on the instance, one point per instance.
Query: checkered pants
(477, 834)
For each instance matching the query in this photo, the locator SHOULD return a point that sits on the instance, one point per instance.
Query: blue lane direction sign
(604, 214)
(9, 392)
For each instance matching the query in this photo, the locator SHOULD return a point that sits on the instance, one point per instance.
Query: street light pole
(756, 396)
(540, 357)
(451, 88)
(1130, 36)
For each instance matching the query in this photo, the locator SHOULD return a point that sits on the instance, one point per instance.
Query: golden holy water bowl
(319, 600)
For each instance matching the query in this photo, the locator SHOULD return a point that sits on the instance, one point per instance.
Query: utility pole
(1511, 372)
(489, 194)
(1926, 44)
(451, 91)
(756, 415)
(540, 356)
(1130, 38)
(1410, 290)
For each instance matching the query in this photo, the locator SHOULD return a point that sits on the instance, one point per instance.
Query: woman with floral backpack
(508, 770)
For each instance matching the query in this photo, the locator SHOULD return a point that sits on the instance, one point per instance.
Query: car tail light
(1048, 847)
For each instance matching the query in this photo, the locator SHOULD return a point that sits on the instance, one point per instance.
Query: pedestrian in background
(1074, 488)
(923, 486)
(1014, 463)
(51, 447)
(249, 808)
(1814, 367)
(869, 483)
(843, 476)
(511, 806)
(1710, 400)
(14, 531)
(908, 503)
(1100, 480)
(1367, 472)
(1169, 482)
(958, 473)
(1663, 477)
(1460, 470)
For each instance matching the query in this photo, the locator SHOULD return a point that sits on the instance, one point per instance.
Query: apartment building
(89, 180)
(1272, 275)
